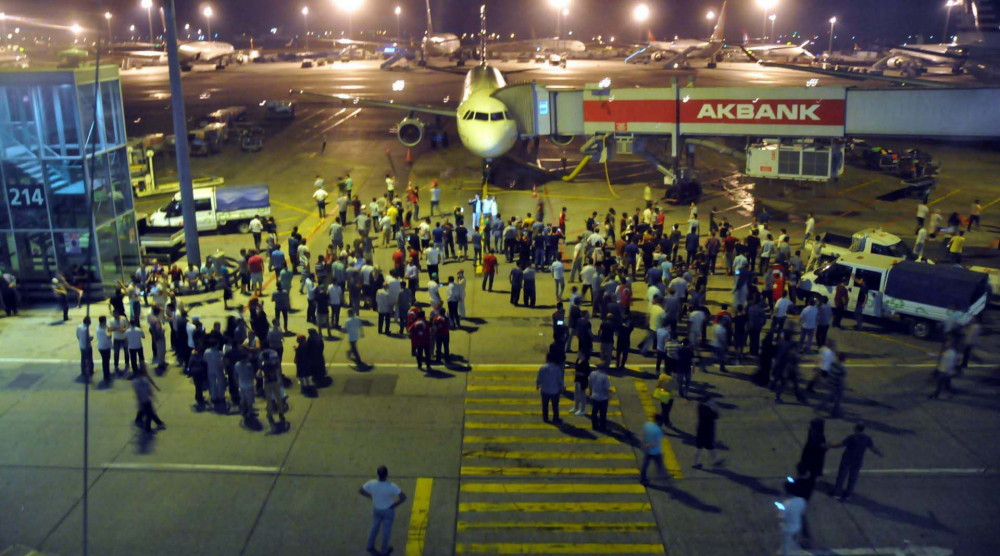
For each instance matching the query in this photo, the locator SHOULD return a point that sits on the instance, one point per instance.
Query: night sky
(868, 20)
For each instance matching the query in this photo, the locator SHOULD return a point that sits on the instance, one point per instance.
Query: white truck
(872, 240)
(217, 207)
(919, 295)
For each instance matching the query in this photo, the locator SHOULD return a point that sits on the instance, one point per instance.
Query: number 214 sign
(26, 197)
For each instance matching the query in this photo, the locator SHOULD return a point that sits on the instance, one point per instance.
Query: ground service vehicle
(279, 109)
(872, 240)
(918, 295)
(217, 207)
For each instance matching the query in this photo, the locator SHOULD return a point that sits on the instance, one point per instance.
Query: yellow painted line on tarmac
(669, 457)
(502, 454)
(292, 207)
(472, 425)
(991, 203)
(499, 412)
(860, 185)
(552, 488)
(557, 527)
(418, 516)
(568, 507)
(522, 377)
(895, 341)
(474, 471)
(537, 440)
(501, 388)
(939, 199)
(517, 401)
(516, 368)
(558, 548)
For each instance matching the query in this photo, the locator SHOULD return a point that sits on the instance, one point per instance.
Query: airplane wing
(680, 57)
(853, 76)
(348, 99)
(640, 52)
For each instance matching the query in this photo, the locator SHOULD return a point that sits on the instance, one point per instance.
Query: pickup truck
(872, 240)
(159, 242)
(217, 207)
(919, 295)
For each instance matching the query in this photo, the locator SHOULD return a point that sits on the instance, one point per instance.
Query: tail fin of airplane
(430, 24)
(652, 37)
(719, 34)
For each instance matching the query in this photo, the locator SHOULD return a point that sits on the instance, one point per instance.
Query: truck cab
(850, 267)
(873, 241)
(172, 215)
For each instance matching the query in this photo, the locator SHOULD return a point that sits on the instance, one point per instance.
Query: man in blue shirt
(652, 448)
(550, 383)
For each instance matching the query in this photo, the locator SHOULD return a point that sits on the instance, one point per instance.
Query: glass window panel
(72, 250)
(4, 213)
(67, 193)
(91, 133)
(35, 256)
(114, 121)
(107, 245)
(103, 204)
(872, 278)
(26, 194)
(58, 111)
(8, 261)
(121, 180)
(18, 128)
(128, 242)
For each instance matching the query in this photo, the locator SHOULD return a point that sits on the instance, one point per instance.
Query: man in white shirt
(790, 513)
(807, 323)
(558, 270)
(433, 256)
(86, 349)
(320, 196)
(922, 211)
(781, 311)
(118, 327)
(810, 229)
(918, 246)
(104, 347)
(433, 291)
(385, 497)
(256, 227)
(766, 250)
(318, 184)
(134, 336)
(390, 185)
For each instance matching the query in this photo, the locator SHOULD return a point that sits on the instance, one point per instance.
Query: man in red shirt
(490, 266)
(562, 221)
(256, 264)
(397, 259)
(729, 249)
(442, 341)
(420, 341)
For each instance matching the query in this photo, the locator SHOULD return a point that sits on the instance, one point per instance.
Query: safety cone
(409, 157)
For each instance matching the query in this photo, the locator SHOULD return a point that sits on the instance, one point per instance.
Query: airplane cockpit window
(496, 116)
(506, 115)
(482, 116)
(468, 115)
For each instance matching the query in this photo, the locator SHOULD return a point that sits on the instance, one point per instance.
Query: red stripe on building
(633, 111)
(829, 112)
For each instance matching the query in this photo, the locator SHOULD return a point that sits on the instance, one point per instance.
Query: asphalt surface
(466, 442)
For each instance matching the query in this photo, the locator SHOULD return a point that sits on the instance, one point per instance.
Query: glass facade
(62, 146)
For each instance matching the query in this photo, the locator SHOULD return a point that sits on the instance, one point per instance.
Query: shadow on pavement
(878, 509)
(752, 483)
(689, 500)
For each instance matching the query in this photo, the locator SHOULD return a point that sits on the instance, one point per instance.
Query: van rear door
(204, 214)
(873, 279)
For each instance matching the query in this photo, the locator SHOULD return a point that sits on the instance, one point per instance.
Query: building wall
(59, 141)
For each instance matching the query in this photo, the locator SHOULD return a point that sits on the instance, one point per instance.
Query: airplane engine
(561, 140)
(410, 132)
(895, 62)
(657, 56)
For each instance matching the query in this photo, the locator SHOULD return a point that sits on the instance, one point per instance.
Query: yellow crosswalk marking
(669, 457)
(500, 454)
(474, 425)
(553, 488)
(519, 412)
(418, 516)
(557, 527)
(500, 388)
(562, 507)
(558, 548)
(520, 401)
(537, 440)
(468, 471)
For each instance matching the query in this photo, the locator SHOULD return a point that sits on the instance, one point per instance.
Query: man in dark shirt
(854, 447)
(753, 246)
(516, 279)
(859, 307)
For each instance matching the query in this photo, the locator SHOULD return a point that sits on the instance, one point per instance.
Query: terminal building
(65, 178)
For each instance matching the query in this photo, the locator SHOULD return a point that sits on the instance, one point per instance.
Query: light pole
(207, 12)
(148, 4)
(829, 51)
(767, 5)
(947, 18)
(349, 6)
(710, 17)
(305, 24)
(559, 6)
(107, 17)
(565, 20)
(640, 13)
(772, 17)
(398, 11)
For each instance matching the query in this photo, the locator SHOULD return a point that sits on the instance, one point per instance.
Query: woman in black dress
(810, 467)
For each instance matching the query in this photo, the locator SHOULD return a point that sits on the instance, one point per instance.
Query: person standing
(808, 320)
(490, 267)
(840, 300)
(955, 246)
(708, 414)
(354, 330)
(549, 382)
(558, 270)
(104, 345)
(810, 229)
(420, 341)
(975, 211)
(921, 215)
(666, 389)
(528, 277)
(581, 377)
(133, 339)
(441, 331)
(652, 449)
(600, 393)
(859, 306)
(385, 497)
(271, 369)
(336, 296)
(790, 512)
(86, 349)
(516, 281)
(606, 333)
(918, 245)
(946, 369)
(851, 462)
(143, 385)
(454, 297)
(623, 342)
(837, 377)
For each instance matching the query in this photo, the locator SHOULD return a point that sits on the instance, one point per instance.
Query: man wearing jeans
(600, 391)
(550, 383)
(558, 270)
(385, 496)
(86, 349)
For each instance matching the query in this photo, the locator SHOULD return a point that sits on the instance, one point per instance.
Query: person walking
(851, 462)
(666, 389)
(808, 319)
(581, 377)
(922, 211)
(86, 349)
(919, 243)
(143, 385)
(623, 342)
(420, 341)
(558, 270)
(549, 382)
(975, 211)
(652, 449)
(516, 281)
(490, 267)
(104, 345)
(354, 330)
(600, 392)
(790, 512)
(271, 369)
(946, 369)
(385, 497)
(955, 246)
(319, 196)
(837, 378)
(708, 414)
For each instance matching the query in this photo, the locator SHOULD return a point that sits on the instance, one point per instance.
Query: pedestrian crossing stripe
(516, 378)
(502, 454)
(537, 440)
(559, 527)
(669, 457)
(504, 388)
(516, 401)
(498, 412)
(552, 488)
(474, 425)
(547, 471)
(558, 507)
(558, 548)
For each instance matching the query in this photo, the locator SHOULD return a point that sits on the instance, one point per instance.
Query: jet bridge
(774, 112)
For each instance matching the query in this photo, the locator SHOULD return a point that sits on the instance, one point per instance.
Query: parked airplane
(190, 53)
(485, 126)
(11, 58)
(679, 52)
(770, 51)
(911, 61)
